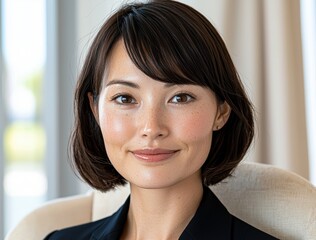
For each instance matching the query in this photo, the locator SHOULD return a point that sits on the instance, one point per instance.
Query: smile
(154, 155)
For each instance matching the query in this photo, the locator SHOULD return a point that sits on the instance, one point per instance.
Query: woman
(159, 105)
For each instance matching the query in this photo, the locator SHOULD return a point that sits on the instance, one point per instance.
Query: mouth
(154, 155)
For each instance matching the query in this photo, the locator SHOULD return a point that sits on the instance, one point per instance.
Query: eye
(182, 98)
(124, 99)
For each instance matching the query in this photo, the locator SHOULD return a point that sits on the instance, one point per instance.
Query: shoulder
(213, 219)
(79, 232)
(241, 229)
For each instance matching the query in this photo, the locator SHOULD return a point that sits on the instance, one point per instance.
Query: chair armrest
(56, 214)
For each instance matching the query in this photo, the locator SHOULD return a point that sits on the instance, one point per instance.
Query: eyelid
(192, 97)
(118, 95)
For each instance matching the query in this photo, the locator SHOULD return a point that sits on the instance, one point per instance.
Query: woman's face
(156, 134)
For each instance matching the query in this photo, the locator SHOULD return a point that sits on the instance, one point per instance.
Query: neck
(162, 213)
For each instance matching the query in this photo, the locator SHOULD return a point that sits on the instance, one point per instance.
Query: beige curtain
(264, 39)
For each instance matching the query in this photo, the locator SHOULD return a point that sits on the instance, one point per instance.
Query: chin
(155, 183)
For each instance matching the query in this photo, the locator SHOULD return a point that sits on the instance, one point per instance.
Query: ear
(222, 115)
(94, 106)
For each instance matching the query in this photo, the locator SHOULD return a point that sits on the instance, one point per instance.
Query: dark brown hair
(170, 42)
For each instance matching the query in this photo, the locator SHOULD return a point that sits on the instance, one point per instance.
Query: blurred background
(43, 44)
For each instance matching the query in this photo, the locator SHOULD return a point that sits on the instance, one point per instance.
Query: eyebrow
(132, 84)
(122, 82)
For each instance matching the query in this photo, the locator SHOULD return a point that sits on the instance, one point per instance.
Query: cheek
(116, 128)
(196, 134)
(196, 126)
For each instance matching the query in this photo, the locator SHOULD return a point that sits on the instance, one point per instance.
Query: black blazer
(211, 221)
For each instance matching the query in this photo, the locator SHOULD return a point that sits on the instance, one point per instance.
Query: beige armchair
(276, 201)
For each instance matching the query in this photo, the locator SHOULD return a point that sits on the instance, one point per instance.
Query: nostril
(153, 127)
(152, 134)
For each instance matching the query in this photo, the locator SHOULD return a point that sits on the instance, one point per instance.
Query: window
(24, 137)
(308, 15)
(36, 107)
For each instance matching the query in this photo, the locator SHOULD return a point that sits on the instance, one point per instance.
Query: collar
(210, 219)
(113, 226)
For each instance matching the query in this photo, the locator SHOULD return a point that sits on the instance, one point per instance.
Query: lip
(154, 155)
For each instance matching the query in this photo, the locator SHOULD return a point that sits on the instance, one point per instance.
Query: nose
(153, 123)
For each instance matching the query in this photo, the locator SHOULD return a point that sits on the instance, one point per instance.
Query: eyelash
(116, 99)
(189, 98)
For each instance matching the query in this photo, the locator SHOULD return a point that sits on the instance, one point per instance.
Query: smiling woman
(156, 127)
(160, 105)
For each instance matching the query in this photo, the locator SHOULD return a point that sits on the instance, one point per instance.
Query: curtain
(264, 40)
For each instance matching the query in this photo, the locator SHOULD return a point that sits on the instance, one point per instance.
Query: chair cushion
(276, 201)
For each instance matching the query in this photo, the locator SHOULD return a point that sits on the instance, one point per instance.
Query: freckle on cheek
(197, 126)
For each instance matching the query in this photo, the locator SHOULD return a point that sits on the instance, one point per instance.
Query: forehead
(119, 64)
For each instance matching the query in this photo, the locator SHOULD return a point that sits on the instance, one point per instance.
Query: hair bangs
(154, 48)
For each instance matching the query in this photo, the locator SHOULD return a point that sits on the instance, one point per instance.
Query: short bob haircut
(172, 43)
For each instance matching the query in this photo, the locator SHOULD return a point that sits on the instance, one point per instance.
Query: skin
(157, 136)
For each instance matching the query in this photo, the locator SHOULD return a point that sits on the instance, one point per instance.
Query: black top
(211, 221)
